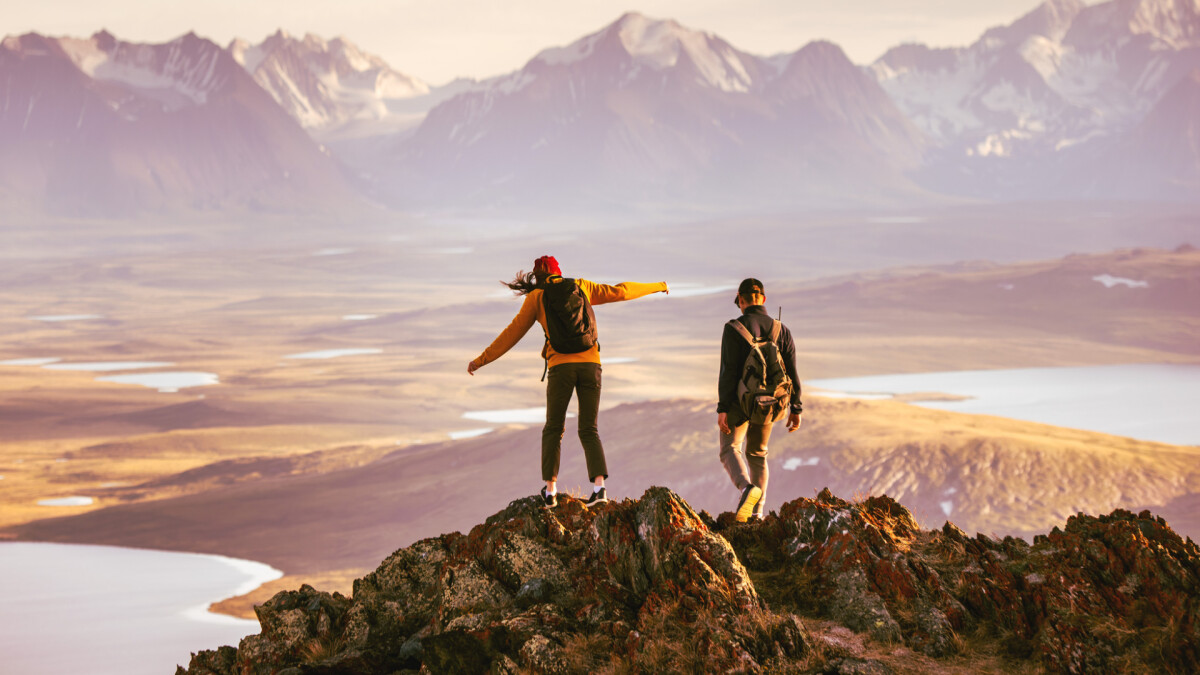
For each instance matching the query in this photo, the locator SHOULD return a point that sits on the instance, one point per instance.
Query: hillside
(827, 586)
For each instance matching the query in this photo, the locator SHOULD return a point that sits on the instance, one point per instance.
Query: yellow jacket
(533, 310)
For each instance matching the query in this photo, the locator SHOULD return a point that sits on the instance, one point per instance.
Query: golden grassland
(355, 448)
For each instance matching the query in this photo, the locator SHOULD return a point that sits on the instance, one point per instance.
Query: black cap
(750, 287)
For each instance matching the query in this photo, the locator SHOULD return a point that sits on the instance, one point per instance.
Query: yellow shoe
(750, 497)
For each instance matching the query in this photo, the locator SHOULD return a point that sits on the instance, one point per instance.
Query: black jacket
(735, 349)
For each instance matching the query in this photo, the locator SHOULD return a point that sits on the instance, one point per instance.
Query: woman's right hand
(471, 368)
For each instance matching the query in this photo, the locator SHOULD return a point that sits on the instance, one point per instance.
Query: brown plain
(322, 467)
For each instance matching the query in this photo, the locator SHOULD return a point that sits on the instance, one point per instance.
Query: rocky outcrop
(645, 581)
(649, 585)
(1116, 593)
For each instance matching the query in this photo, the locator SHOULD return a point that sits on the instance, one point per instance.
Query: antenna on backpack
(779, 317)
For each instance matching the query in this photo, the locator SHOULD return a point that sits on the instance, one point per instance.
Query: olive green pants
(563, 380)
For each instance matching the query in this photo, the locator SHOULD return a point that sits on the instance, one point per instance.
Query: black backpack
(764, 387)
(570, 322)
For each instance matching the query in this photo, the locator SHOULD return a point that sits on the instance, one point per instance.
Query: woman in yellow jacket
(568, 373)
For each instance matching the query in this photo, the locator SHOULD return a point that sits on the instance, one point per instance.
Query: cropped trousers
(564, 379)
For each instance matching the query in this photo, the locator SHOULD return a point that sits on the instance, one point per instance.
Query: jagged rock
(537, 590)
(849, 562)
(454, 651)
(649, 586)
(1106, 594)
(214, 662)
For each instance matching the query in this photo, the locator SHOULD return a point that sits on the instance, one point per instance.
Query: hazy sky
(437, 40)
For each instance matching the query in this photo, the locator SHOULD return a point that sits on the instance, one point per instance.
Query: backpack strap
(741, 329)
(776, 329)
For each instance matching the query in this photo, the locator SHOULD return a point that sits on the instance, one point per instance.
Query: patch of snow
(658, 44)
(794, 463)
(947, 507)
(514, 416)
(511, 84)
(620, 359)
(997, 145)
(951, 491)
(248, 56)
(67, 501)
(571, 54)
(360, 317)
(28, 362)
(1109, 281)
(469, 433)
(334, 353)
(108, 366)
(1007, 287)
(172, 78)
(167, 383)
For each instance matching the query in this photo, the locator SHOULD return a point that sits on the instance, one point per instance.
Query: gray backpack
(764, 388)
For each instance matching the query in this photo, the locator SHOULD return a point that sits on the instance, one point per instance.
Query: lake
(1153, 402)
(101, 610)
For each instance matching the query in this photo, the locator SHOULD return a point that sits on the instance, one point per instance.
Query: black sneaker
(549, 501)
(598, 497)
(750, 498)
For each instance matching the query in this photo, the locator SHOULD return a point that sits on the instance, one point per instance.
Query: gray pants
(756, 437)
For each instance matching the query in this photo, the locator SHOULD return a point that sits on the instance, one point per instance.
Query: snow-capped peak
(1176, 22)
(658, 45)
(324, 83)
(181, 72)
(1051, 20)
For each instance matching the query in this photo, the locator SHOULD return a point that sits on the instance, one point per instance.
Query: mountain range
(111, 128)
(1069, 101)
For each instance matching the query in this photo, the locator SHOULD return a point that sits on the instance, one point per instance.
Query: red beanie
(547, 263)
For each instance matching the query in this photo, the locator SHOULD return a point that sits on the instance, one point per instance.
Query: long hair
(525, 282)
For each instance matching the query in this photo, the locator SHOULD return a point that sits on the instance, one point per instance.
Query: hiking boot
(750, 498)
(549, 501)
(598, 497)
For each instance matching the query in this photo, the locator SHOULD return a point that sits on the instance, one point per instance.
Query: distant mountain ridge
(1042, 107)
(649, 111)
(105, 127)
(324, 83)
(1070, 101)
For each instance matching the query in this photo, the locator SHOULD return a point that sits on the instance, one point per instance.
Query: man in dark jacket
(731, 420)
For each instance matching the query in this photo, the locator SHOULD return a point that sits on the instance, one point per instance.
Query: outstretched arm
(599, 294)
(510, 336)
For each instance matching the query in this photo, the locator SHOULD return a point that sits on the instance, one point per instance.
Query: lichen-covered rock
(851, 563)
(648, 585)
(1109, 594)
(537, 590)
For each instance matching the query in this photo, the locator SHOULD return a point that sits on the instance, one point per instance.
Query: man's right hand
(793, 422)
(723, 423)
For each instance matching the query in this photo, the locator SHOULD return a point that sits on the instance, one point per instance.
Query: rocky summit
(824, 586)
